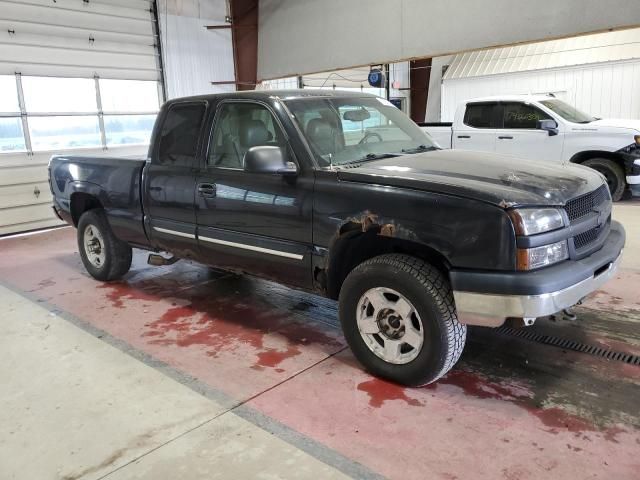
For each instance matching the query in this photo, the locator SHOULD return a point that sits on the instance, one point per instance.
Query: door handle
(207, 190)
(464, 136)
(505, 138)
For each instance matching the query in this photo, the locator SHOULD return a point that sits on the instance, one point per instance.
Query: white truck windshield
(568, 112)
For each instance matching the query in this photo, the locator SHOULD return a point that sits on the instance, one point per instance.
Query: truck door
(169, 180)
(255, 222)
(477, 129)
(520, 136)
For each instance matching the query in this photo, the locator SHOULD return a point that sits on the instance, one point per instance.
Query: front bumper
(488, 299)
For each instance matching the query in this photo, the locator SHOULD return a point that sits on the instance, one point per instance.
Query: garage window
(67, 113)
(11, 135)
(129, 108)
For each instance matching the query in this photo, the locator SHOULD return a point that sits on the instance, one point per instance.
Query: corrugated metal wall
(194, 56)
(566, 52)
(599, 73)
(604, 90)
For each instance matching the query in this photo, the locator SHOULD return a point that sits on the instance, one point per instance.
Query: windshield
(346, 130)
(568, 112)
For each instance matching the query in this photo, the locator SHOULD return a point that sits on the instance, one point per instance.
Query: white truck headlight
(532, 258)
(530, 221)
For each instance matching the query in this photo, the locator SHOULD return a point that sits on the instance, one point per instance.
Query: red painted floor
(511, 409)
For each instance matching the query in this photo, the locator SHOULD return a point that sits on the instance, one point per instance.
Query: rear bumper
(498, 296)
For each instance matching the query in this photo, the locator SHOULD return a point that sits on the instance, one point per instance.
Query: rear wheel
(398, 316)
(103, 255)
(612, 172)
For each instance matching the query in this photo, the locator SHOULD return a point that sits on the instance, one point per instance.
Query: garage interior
(183, 371)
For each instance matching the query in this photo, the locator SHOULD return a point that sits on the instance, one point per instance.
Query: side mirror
(268, 159)
(549, 125)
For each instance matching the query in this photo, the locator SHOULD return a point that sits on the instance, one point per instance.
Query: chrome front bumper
(492, 310)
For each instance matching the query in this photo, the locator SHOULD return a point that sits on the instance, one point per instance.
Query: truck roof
(512, 98)
(282, 94)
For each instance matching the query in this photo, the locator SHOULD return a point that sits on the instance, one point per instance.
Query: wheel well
(80, 203)
(354, 248)
(584, 156)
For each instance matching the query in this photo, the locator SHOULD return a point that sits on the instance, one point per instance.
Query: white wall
(306, 36)
(194, 56)
(604, 90)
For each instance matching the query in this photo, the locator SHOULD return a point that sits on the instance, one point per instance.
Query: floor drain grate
(533, 336)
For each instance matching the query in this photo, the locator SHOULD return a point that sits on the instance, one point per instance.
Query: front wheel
(612, 172)
(104, 256)
(398, 316)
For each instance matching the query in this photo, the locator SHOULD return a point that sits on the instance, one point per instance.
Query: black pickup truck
(343, 195)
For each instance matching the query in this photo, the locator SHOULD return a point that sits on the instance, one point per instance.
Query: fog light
(531, 258)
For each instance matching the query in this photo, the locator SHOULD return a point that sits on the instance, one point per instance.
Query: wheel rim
(390, 325)
(94, 246)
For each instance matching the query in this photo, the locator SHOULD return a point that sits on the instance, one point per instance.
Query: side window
(179, 135)
(520, 115)
(480, 115)
(238, 127)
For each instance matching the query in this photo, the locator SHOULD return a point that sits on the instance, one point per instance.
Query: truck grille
(584, 204)
(585, 239)
(590, 204)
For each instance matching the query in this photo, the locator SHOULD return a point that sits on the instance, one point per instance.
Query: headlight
(529, 221)
(531, 258)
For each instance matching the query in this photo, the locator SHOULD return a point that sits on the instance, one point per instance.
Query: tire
(614, 174)
(390, 281)
(104, 256)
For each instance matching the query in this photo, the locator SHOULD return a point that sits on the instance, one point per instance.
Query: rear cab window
(178, 144)
(482, 115)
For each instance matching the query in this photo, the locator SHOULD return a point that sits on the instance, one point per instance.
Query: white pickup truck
(542, 127)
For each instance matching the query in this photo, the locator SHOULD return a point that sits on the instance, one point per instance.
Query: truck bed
(115, 181)
(440, 132)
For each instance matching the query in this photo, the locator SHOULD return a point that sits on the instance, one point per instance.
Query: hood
(614, 123)
(503, 180)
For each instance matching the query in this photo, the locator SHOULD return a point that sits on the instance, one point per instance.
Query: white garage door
(76, 76)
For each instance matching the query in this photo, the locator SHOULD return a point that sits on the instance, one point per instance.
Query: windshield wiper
(419, 148)
(370, 156)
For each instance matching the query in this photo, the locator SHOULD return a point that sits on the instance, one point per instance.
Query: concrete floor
(180, 372)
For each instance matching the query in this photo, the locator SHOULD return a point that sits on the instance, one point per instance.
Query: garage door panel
(123, 8)
(57, 56)
(20, 219)
(76, 71)
(32, 193)
(22, 174)
(80, 32)
(74, 17)
(79, 43)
